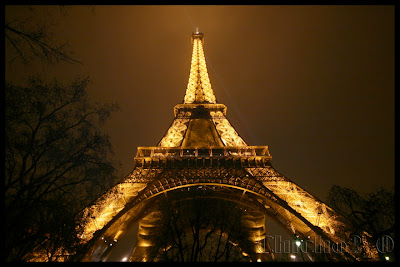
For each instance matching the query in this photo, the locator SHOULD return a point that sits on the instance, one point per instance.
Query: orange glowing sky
(314, 83)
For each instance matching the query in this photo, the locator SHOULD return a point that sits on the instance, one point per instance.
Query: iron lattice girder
(199, 87)
(168, 179)
(214, 113)
(237, 178)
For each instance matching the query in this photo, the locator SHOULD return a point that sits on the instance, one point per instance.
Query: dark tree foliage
(57, 160)
(372, 212)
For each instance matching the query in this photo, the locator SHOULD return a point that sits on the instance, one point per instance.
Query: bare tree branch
(55, 150)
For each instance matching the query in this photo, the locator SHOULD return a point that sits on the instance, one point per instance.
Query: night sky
(314, 83)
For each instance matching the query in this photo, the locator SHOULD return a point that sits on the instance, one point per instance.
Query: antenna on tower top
(197, 30)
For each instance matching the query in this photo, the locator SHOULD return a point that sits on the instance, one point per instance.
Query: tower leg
(146, 249)
(254, 224)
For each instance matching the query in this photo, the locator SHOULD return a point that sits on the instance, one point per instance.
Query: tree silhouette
(57, 160)
(201, 229)
(372, 213)
(31, 37)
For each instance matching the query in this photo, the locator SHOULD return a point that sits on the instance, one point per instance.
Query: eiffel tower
(201, 150)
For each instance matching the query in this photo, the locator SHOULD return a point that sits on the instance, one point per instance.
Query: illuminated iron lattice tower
(202, 149)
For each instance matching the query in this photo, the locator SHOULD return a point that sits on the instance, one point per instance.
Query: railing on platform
(162, 152)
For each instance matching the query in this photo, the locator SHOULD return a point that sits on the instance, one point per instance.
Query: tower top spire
(200, 121)
(198, 89)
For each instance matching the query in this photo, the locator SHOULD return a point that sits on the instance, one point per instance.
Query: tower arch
(236, 186)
